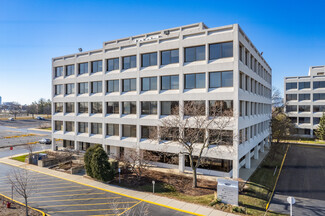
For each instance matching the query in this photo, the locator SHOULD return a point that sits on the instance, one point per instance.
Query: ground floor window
(161, 157)
(83, 146)
(212, 164)
(68, 144)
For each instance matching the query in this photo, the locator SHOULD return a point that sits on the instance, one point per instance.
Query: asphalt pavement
(303, 177)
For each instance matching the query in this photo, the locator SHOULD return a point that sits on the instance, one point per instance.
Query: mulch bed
(15, 209)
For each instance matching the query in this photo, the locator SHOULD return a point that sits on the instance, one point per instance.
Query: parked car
(45, 141)
(11, 119)
(40, 118)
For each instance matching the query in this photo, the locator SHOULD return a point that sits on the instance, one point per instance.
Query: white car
(45, 141)
(11, 119)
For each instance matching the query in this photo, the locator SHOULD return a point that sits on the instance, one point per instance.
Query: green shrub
(88, 157)
(101, 168)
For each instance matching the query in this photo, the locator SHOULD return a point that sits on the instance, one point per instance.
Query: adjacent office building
(305, 100)
(115, 95)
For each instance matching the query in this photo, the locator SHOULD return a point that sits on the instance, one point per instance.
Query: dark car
(45, 141)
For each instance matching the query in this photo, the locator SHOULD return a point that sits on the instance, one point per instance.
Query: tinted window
(96, 87)
(319, 108)
(304, 85)
(195, 81)
(58, 71)
(129, 107)
(129, 131)
(112, 86)
(194, 53)
(194, 108)
(304, 108)
(291, 86)
(149, 83)
(113, 64)
(129, 85)
(83, 68)
(169, 57)
(169, 82)
(319, 84)
(319, 96)
(96, 107)
(169, 108)
(304, 97)
(220, 50)
(221, 107)
(69, 70)
(149, 108)
(96, 66)
(220, 79)
(113, 108)
(70, 88)
(148, 59)
(83, 88)
(112, 129)
(129, 62)
(83, 107)
(291, 108)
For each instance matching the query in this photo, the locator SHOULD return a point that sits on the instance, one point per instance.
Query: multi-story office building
(305, 100)
(114, 95)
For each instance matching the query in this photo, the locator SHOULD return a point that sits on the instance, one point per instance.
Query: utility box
(227, 191)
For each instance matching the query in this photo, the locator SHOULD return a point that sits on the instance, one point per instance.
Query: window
(304, 97)
(69, 107)
(303, 120)
(149, 108)
(304, 108)
(319, 108)
(316, 120)
(112, 130)
(291, 86)
(96, 66)
(69, 126)
(194, 81)
(246, 57)
(194, 53)
(58, 71)
(129, 131)
(96, 87)
(293, 120)
(69, 70)
(220, 50)
(319, 96)
(83, 68)
(129, 62)
(112, 86)
(148, 59)
(319, 84)
(83, 88)
(194, 134)
(83, 107)
(113, 64)
(58, 125)
(169, 82)
(220, 79)
(96, 107)
(241, 80)
(169, 108)
(129, 107)
(290, 97)
(96, 128)
(241, 52)
(69, 88)
(58, 89)
(148, 132)
(291, 108)
(83, 127)
(169, 57)
(304, 85)
(149, 83)
(217, 137)
(129, 85)
(113, 108)
(58, 107)
(194, 108)
(221, 107)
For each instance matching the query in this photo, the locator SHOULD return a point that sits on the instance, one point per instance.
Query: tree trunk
(26, 207)
(194, 178)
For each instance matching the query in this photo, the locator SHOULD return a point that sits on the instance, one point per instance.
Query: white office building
(305, 100)
(114, 95)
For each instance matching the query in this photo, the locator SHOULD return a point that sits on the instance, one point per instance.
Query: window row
(216, 107)
(305, 108)
(304, 120)
(147, 132)
(191, 81)
(305, 85)
(248, 133)
(302, 97)
(251, 62)
(247, 108)
(197, 53)
(251, 85)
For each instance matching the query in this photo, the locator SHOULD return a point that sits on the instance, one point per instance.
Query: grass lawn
(21, 158)
(308, 141)
(48, 128)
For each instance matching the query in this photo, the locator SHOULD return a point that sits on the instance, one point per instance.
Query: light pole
(291, 201)
(153, 186)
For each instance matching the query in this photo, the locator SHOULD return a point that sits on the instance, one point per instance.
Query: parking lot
(56, 196)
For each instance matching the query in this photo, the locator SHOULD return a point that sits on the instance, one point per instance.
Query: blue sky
(290, 33)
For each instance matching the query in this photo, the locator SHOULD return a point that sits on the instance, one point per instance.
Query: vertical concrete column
(138, 132)
(158, 109)
(76, 145)
(181, 162)
(120, 131)
(53, 144)
(235, 169)
(89, 70)
(104, 68)
(256, 155)
(262, 146)
(248, 160)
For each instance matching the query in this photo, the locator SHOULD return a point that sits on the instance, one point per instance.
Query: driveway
(303, 177)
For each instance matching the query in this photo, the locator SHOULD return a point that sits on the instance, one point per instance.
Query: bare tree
(14, 109)
(197, 132)
(32, 109)
(277, 99)
(23, 183)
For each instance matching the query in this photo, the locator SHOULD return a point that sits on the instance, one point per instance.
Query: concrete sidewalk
(147, 197)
